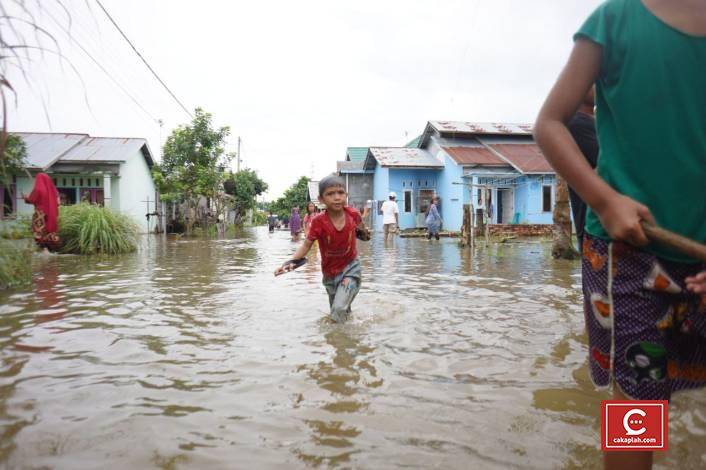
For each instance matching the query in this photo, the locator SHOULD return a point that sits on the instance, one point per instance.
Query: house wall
(137, 185)
(532, 197)
(381, 186)
(453, 196)
(412, 180)
(360, 188)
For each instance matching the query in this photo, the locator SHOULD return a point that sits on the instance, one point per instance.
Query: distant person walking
(433, 219)
(311, 212)
(583, 129)
(390, 215)
(295, 224)
(271, 222)
(45, 199)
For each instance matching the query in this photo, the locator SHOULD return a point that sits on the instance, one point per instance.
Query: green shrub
(18, 229)
(259, 218)
(88, 229)
(15, 264)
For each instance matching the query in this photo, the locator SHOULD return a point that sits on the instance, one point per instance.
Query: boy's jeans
(342, 289)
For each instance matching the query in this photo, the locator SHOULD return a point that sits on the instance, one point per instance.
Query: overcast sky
(298, 81)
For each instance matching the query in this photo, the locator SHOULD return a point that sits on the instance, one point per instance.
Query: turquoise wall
(402, 180)
(381, 178)
(453, 196)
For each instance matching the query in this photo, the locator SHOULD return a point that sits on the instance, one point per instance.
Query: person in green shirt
(644, 304)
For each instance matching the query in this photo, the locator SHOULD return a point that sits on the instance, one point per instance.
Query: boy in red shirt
(335, 229)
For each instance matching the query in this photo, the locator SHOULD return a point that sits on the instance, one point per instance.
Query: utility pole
(238, 167)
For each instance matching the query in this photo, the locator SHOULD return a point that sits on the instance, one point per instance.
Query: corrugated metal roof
(104, 149)
(474, 156)
(356, 154)
(525, 157)
(350, 167)
(482, 128)
(404, 157)
(43, 149)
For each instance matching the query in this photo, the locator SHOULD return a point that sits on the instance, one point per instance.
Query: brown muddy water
(190, 354)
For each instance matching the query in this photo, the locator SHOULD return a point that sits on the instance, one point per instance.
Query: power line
(143, 59)
(100, 66)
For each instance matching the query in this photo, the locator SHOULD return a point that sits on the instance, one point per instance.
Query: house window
(98, 182)
(80, 182)
(408, 201)
(403, 184)
(7, 201)
(546, 198)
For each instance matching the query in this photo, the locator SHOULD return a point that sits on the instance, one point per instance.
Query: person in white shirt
(390, 215)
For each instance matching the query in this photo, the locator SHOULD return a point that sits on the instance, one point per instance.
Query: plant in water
(89, 229)
(15, 264)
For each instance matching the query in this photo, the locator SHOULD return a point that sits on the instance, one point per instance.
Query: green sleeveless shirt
(651, 117)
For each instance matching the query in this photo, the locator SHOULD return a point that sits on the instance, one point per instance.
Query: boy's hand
(284, 269)
(621, 217)
(697, 284)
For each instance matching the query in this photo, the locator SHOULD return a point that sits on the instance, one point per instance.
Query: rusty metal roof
(474, 156)
(402, 157)
(481, 128)
(526, 157)
(45, 149)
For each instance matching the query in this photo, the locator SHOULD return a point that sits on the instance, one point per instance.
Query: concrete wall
(532, 199)
(453, 196)
(411, 181)
(381, 186)
(136, 186)
(360, 188)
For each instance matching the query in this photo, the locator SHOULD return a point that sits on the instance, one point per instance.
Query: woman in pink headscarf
(45, 199)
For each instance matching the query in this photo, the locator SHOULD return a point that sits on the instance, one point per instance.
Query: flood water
(190, 354)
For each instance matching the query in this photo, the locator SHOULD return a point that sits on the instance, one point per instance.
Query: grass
(15, 264)
(88, 229)
(20, 228)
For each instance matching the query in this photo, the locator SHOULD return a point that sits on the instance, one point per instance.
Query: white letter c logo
(627, 422)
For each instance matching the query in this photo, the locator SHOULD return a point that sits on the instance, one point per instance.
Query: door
(92, 196)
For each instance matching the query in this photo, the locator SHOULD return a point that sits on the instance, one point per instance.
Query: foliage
(89, 229)
(13, 160)
(259, 218)
(15, 264)
(244, 186)
(21, 228)
(192, 164)
(295, 195)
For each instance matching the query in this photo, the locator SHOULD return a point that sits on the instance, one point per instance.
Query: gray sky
(299, 81)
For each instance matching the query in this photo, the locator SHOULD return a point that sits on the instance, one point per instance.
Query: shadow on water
(190, 354)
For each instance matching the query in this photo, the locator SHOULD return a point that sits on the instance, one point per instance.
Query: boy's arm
(620, 215)
(300, 253)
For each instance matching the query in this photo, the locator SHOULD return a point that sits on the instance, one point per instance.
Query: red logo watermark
(634, 425)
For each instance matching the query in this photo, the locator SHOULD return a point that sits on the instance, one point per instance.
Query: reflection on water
(189, 354)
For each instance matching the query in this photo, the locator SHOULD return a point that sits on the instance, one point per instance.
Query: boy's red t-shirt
(337, 247)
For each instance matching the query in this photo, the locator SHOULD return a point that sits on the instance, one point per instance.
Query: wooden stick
(675, 241)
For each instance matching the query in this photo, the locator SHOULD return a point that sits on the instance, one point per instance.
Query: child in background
(646, 324)
(311, 212)
(295, 224)
(335, 230)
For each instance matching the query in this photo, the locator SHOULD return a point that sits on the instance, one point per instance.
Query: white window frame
(411, 201)
(551, 197)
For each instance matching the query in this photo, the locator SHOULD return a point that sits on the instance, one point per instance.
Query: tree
(244, 186)
(192, 165)
(12, 162)
(295, 195)
(562, 247)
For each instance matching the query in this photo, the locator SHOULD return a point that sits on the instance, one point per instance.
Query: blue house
(495, 167)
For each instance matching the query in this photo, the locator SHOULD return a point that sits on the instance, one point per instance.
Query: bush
(15, 264)
(259, 218)
(20, 228)
(88, 229)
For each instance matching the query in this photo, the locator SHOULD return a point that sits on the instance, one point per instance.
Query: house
(411, 173)
(109, 171)
(359, 181)
(496, 167)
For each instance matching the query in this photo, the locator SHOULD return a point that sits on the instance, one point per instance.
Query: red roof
(474, 156)
(526, 157)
